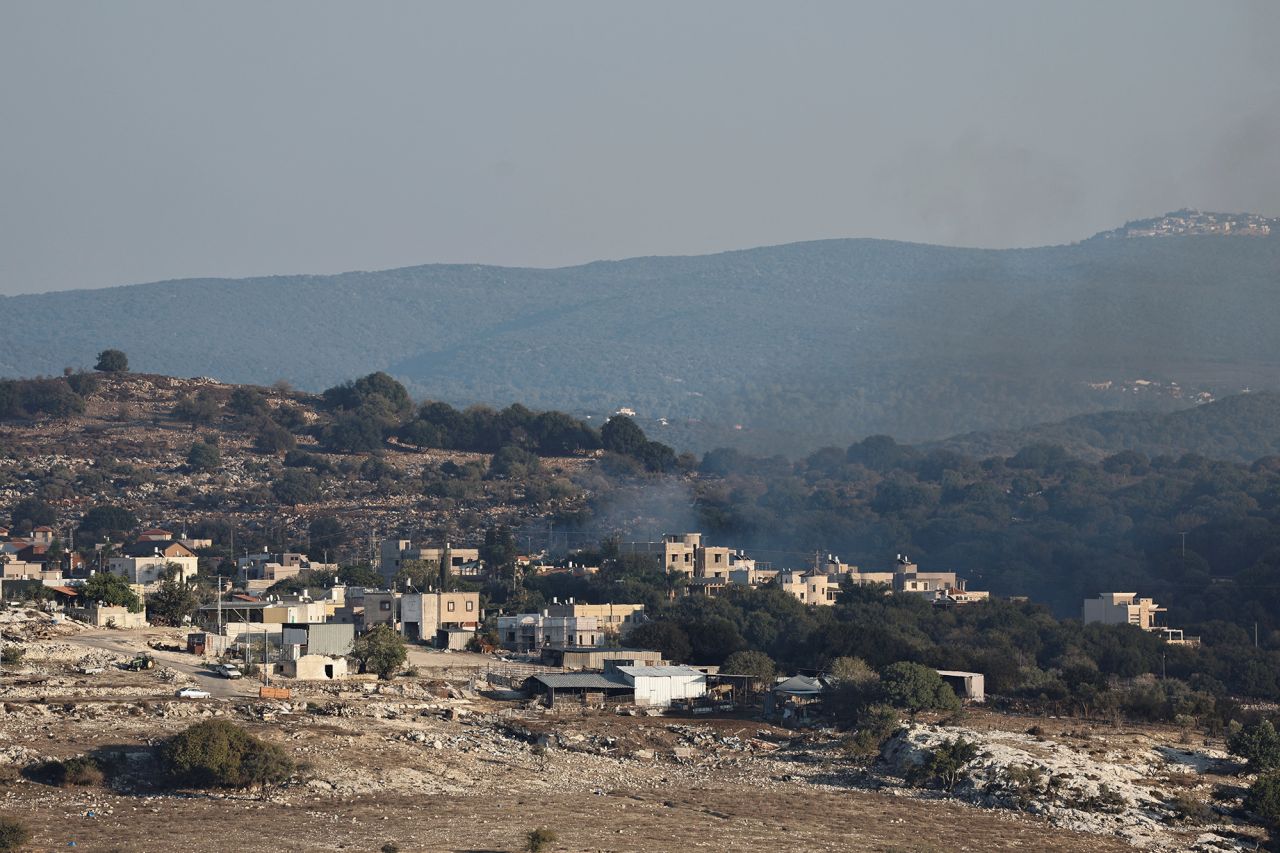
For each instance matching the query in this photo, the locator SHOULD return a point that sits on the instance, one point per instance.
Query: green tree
(271, 437)
(381, 650)
(326, 532)
(171, 601)
(663, 636)
(106, 521)
(218, 753)
(418, 574)
(499, 551)
(1263, 800)
(29, 513)
(296, 486)
(916, 687)
(204, 456)
(112, 361)
(360, 575)
(756, 664)
(111, 589)
(854, 687)
(201, 409)
(1258, 744)
(621, 435)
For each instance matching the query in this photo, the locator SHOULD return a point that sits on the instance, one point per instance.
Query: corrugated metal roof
(659, 671)
(799, 685)
(579, 680)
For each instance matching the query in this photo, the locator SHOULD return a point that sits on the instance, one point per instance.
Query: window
(471, 605)
(384, 605)
(450, 606)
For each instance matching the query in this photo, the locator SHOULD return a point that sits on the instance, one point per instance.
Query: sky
(144, 141)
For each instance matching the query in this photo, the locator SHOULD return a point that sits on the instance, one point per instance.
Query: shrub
(218, 753)
(945, 765)
(1258, 744)
(12, 655)
(13, 833)
(539, 839)
(1263, 800)
(873, 726)
(1188, 808)
(78, 771)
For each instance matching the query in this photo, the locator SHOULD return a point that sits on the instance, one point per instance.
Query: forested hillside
(1242, 427)
(800, 345)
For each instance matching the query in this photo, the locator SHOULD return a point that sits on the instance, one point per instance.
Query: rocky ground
(429, 764)
(128, 433)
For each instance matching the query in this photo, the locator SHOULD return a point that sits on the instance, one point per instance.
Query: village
(559, 699)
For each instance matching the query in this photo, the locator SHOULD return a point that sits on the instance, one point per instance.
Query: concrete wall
(102, 617)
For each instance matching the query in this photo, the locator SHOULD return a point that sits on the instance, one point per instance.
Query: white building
(658, 686)
(530, 632)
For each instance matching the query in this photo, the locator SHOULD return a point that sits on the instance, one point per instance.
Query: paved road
(135, 642)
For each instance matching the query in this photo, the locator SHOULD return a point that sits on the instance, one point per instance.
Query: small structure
(594, 657)
(315, 668)
(795, 699)
(585, 687)
(970, 686)
(658, 686)
(104, 616)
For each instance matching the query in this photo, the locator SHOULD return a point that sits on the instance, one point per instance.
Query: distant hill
(780, 348)
(1241, 428)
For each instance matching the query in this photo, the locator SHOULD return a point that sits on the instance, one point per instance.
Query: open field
(427, 764)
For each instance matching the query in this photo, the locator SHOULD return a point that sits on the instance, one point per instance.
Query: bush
(218, 753)
(1263, 800)
(12, 655)
(13, 833)
(1258, 744)
(78, 771)
(945, 765)
(539, 839)
(873, 726)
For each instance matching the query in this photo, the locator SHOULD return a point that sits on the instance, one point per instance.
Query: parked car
(230, 671)
(193, 693)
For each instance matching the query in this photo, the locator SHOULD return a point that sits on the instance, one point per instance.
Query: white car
(193, 693)
(230, 671)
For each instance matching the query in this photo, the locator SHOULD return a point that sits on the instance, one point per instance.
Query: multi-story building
(530, 632)
(616, 619)
(1125, 608)
(148, 562)
(395, 552)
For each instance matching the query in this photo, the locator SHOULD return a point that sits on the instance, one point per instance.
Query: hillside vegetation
(801, 345)
(1242, 427)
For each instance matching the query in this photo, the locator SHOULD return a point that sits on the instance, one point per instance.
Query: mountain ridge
(815, 342)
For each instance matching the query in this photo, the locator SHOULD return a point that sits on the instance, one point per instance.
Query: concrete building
(148, 562)
(105, 616)
(260, 571)
(530, 632)
(595, 657)
(970, 686)
(1125, 608)
(395, 552)
(616, 619)
(424, 615)
(314, 668)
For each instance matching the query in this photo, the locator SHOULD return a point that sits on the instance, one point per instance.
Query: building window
(471, 605)
(449, 606)
(384, 605)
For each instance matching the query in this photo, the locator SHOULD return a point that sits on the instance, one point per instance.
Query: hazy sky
(151, 140)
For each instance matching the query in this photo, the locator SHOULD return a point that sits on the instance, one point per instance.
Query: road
(135, 642)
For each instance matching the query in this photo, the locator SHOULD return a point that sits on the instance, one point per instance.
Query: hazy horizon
(151, 141)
